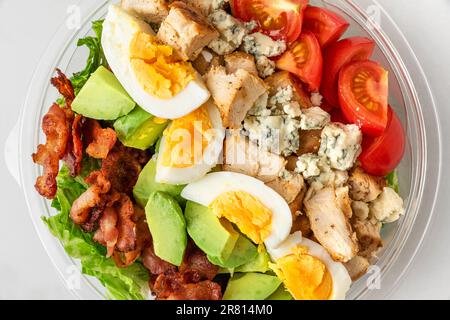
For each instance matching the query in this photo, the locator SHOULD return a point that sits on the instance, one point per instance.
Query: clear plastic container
(410, 96)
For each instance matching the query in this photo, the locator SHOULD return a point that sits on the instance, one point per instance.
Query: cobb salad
(216, 149)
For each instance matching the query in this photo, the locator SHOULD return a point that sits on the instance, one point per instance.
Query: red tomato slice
(326, 25)
(335, 56)
(280, 19)
(363, 96)
(304, 59)
(337, 116)
(381, 155)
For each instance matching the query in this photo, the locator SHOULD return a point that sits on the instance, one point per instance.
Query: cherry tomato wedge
(337, 116)
(280, 19)
(381, 155)
(326, 25)
(363, 96)
(304, 59)
(335, 56)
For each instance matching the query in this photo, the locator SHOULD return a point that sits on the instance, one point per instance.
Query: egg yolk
(246, 212)
(186, 139)
(157, 68)
(305, 276)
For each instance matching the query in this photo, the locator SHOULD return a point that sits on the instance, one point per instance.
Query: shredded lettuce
(96, 56)
(392, 180)
(122, 283)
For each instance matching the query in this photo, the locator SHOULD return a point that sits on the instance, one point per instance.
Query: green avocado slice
(168, 227)
(103, 97)
(251, 286)
(243, 252)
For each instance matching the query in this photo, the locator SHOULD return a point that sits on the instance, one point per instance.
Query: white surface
(26, 27)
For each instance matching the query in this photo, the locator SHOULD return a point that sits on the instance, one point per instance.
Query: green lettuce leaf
(122, 283)
(392, 180)
(96, 56)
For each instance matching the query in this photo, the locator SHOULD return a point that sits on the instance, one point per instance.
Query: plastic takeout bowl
(410, 96)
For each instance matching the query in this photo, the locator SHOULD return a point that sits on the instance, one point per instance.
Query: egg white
(209, 159)
(339, 274)
(207, 189)
(119, 29)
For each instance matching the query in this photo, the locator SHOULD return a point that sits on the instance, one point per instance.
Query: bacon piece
(100, 141)
(91, 198)
(179, 286)
(155, 264)
(195, 260)
(122, 167)
(125, 225)
(74, 152)
(107, 232)
(56, 130)
(64, 86)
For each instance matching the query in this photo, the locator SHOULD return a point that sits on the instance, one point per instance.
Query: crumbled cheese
(259, 44)
(207, 55)
(330, 178)
(293, 110)
(251, 25)
(316, 99)
(231, 30)
(277, 134)
(260, 106)
(341, 145)
(309, 165)
(314, 118)
(388, 207)
(360, 210)
(283, 96)
(265, 66)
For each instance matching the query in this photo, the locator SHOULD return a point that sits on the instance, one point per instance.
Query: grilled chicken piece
(234, 94)
(289, 186)
(154, 11)
(357, 267)
(364, 187)
(186, 30)
(309, 141)
(244, 157)
(329, 223)
(240, 60)
(344, 201)
(282, 79)
(369, 238)
(206, 6)
(206, 60)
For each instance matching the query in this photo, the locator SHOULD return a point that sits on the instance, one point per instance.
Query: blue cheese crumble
(231, 30)
(314, 118)
(259, 44)
(341, 145)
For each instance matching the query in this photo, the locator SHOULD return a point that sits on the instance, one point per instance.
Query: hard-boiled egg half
(308, 271)
(150, 72)
(258, 211)
(190, 146)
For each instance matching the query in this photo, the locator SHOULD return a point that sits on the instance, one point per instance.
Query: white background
(27, 26)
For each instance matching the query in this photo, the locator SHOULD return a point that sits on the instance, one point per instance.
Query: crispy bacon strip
(74, 153)
(56, 130)
(180, 286)
(64, 86)
(91, 198)
(155, 264)
(122, 167)
(108, 231)
(100, 141)
(195, 260)
(125, 225)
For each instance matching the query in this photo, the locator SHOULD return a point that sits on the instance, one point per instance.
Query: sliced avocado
(243, 252)
(146, 184)
(139, 129)
(167, 226)
(216, 237)
(280, 294)
(259, 264)
(103, 97)
(251, 286)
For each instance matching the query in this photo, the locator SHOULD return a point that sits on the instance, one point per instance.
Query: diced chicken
(388, 207)
(186, 30)
(234, 94)
(369, 238)
(240, 60)
(357, 267)
(206, 6)
(309, 141)
(282, 79)
(206, 60)
(288, 185)
(329, 224)
(363, 186)
(344, 201)
(152, 11)
(242, 156)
